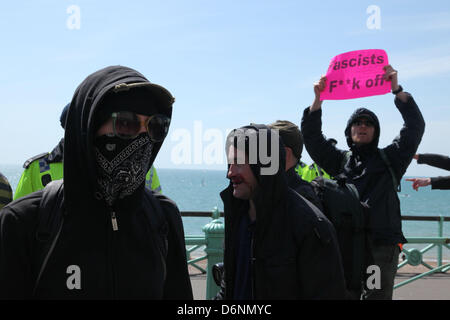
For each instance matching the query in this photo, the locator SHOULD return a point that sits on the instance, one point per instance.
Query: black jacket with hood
(365, 167)
(303, 187)
(295, 251)
(129, 263)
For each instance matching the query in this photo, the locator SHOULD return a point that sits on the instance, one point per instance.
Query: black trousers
(385, 257)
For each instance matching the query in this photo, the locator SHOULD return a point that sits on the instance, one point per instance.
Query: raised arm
(321, 151)
(404, 146)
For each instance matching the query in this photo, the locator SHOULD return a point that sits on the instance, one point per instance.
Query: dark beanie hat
(63, 117)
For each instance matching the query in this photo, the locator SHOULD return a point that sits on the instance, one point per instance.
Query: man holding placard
(375, 172)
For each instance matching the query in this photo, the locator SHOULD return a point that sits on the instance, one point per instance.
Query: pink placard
(356, 74)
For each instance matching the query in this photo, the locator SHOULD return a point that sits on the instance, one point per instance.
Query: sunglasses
(127, 125)
(360, 122)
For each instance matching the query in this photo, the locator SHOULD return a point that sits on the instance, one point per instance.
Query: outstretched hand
(419, 182)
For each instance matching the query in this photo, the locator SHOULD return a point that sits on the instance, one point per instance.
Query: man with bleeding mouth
(373, 176)
(277, 246)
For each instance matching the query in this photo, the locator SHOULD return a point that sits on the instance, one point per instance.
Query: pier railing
(414, 257)
(211, 243)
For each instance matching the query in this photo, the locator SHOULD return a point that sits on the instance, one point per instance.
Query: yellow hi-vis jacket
(308, 173)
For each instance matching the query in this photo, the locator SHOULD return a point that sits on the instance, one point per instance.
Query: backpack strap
(397, 186)
(351, 187)
(345, 159)
(49, 225)
(309, 203)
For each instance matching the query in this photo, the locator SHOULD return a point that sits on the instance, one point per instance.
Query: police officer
(309, 173)
(46, 167)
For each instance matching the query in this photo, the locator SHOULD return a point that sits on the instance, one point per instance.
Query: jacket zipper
(115, 227)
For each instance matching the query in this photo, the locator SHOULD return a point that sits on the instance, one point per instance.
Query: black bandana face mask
(122, 165)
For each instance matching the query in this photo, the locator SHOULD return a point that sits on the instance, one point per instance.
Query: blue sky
(228, 63)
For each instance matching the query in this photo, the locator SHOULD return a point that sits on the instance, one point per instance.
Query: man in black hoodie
(115, 239)
(276, 245)
(365, 168)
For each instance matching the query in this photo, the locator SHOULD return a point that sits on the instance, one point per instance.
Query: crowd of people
(106, 231)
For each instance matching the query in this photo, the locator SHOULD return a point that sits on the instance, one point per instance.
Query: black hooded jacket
(303, 187)
(365, 167)
(295, 254)
(128, 263)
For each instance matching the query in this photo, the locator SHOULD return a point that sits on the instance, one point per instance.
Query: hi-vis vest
(39, 172)
(152, 180)
(300, 168)
(308, 173)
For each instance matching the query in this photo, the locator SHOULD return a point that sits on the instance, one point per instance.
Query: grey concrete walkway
(199, 286)
(434, 287)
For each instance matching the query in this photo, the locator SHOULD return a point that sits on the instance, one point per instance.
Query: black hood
(253, 133)
(363, 112)
(80, 174)
(272, 190)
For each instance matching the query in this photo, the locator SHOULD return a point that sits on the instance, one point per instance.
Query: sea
(198, 190)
